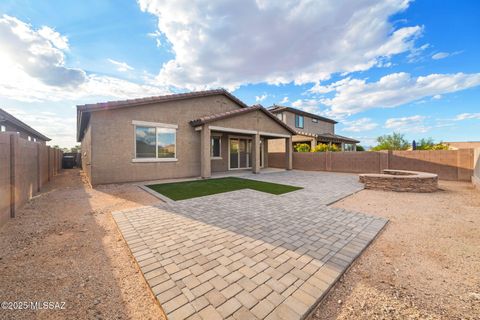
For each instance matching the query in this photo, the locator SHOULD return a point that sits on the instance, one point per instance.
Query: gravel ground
(64, 247)
(424, 265)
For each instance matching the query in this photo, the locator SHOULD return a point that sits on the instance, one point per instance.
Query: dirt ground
(63, 246)
(424, 265)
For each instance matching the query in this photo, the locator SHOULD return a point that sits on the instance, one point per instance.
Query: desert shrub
(429, 144)
(322, 147)
(301, 147)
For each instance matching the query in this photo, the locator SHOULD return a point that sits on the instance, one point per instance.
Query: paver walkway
(247, 254)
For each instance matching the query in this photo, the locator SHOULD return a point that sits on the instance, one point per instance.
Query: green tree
(394, 141)
(360, 148)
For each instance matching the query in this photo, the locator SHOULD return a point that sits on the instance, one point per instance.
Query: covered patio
(238, 140)
(343, 143)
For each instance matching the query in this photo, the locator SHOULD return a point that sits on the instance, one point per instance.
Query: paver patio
(247, 254)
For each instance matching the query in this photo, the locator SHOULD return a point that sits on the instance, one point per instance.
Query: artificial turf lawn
(199, 188)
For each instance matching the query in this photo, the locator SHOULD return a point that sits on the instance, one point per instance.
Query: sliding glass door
(240, 153)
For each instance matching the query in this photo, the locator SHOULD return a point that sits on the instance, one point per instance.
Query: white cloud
(59, 41)
(359, 125)
(261, 97)
(357, 95)
(308, 105)
(156, 35)
(443, 55)
(440, 55)
(39, 53)
(230, 43)
(468, 116)
(437, 97)
(121, 66)
(284, 100)
(60, 129)
(408, 124)
(416, 54)
(33, 69)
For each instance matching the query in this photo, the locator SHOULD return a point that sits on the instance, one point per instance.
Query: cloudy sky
(375, 66)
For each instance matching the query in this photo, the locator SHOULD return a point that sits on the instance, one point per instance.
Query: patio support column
(256, 153)
(205, 161)
(313, 143)
(289, 153)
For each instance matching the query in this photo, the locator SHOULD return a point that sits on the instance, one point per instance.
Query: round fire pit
(400, 181)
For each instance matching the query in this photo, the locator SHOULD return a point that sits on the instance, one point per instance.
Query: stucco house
(9, 123)
(309, 128)
(176, 136)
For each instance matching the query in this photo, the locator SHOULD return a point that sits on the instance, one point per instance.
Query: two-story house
(310, 128)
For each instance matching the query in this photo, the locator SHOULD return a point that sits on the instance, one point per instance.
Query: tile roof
(83, 111)
(329, 136)
(276, 109)
(7, 117)
(233, 113)
(156, 99)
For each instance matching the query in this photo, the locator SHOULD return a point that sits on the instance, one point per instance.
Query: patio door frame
(262, 152)
(238, 153)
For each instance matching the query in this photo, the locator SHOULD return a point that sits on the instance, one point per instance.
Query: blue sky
(375, 66)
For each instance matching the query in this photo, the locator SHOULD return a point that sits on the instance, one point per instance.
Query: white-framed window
(155, 141)
(314, 120)
(280, 116)
(216, 147)
(3, 128)
(299, 121)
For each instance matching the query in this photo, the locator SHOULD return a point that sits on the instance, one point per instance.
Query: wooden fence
(25, 166)
(448, 164)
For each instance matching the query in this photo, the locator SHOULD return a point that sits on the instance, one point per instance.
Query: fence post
(328, 160)
(13, 141)
(48, 163)
(39, 177)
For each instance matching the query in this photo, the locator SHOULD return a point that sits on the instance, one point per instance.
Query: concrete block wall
(26, 178)
(476, 168)
(457, 165)
(25, 166)
(4, 178)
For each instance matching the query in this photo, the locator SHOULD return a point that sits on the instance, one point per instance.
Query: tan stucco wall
(219, 165)
(276, 145)
(112, 139)
(257, 121)
(308, 125)
(86, 151)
